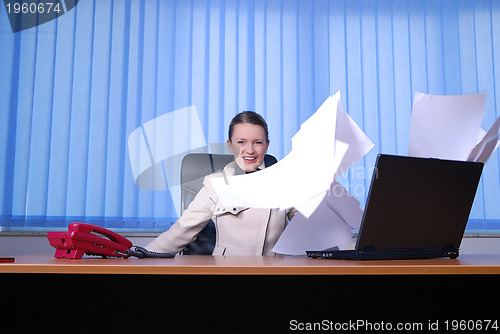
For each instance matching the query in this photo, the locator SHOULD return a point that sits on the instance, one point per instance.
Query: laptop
(416, 208)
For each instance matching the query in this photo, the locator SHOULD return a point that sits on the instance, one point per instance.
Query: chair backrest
(194, 168)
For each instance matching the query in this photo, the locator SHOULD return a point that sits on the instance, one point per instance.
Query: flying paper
(448, 127)
(332, 224)
(325, 146)
(445, 126)
(487, 145)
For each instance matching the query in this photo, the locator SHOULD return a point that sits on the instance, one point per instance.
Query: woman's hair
(248, 117)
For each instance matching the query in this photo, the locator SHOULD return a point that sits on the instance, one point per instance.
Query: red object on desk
(81, 239)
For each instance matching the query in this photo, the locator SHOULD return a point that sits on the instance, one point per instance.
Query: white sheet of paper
(445, 127)
(349, 132)
(323, 229)
(484, 149)
(309, 206)
(330, 225)
(307, 202)
(346, 206)
(482, 133)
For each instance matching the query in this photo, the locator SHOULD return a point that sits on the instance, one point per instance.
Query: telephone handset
(81, 239)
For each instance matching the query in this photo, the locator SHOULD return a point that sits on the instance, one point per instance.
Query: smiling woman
(248, 140)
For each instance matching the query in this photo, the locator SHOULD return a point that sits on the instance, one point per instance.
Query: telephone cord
(142, 252)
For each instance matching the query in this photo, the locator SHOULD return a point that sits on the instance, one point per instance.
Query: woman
(240, 230)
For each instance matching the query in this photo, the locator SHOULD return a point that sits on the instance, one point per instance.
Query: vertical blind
(72, 90)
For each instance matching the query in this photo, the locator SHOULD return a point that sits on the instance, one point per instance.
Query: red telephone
(83, 238)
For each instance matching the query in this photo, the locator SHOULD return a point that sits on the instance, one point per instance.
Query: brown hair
(248, 117)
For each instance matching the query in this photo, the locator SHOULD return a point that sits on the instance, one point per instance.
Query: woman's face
(248, 144)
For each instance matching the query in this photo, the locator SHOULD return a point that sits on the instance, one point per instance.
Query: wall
(74, 90)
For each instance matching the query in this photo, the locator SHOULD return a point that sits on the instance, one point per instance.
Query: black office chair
(194, 168)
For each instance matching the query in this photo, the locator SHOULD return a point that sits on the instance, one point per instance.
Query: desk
(220, 265)
(196, 294)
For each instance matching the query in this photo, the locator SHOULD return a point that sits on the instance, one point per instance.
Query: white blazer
(240, 230)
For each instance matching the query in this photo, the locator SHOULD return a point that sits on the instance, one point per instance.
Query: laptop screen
(418, 203)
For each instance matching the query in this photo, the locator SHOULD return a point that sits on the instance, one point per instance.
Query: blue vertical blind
(73, 89)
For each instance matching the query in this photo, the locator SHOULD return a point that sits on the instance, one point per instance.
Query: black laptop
(417, 208)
